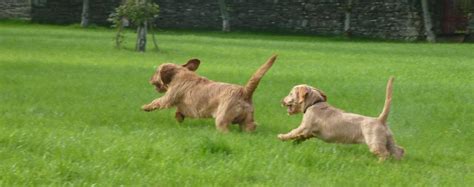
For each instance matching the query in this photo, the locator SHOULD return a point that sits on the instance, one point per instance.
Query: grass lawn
(70, 110)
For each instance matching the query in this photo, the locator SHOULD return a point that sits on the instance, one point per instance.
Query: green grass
(70, 111)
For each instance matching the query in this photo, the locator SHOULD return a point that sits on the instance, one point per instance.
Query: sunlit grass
(70, 110)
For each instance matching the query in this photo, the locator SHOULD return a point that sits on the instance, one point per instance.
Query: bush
(137, 12)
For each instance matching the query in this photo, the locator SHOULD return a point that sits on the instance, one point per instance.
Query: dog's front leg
(155, 104)
(302, 138)
(160, 103)
(179, 116)
(299, 133)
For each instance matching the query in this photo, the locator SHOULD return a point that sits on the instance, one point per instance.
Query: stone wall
(303, 16)
(202, 14)
(101, 9)
(15, 9)
(390, 19)
(57, 11)
(69, 11)
(386, 19)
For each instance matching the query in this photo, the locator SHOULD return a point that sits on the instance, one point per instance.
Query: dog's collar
(314, 103)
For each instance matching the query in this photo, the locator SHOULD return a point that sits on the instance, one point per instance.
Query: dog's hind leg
(248, 124)
(222, 124)
(380, 151)
(377, 145)
(225, 115)
(394, 149)
(376, 139)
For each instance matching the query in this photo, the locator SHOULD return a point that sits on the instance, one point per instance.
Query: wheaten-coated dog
(333, 125)
(195, 96)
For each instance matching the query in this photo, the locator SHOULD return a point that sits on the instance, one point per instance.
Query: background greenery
(70, 110)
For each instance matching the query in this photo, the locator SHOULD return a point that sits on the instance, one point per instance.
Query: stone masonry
(389, 19)
(69, 11)
(15, 9)
(386, 19)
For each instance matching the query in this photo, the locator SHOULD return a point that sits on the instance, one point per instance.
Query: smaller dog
(333, 125)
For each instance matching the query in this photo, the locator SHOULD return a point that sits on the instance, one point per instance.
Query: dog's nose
(283, 103)
(153, 82)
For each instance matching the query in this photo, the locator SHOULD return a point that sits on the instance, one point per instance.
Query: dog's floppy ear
(167, 73)
(192, 64)
(301, 93)
(323, 95)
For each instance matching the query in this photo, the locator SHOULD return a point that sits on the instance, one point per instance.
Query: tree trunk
(141, 37)
(225, 16)
(85, 13)
(347, 21)
(153, 36)
(119, 36)
(430, 36)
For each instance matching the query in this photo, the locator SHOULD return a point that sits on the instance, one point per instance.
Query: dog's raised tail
(388, 100)
(257, 76)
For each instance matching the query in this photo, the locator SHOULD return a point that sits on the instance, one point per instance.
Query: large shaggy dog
(198, 97)
(330, 124)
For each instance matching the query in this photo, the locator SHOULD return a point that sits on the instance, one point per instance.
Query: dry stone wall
(386, 19)
(69, 11)
(389, 19)
(15, 9)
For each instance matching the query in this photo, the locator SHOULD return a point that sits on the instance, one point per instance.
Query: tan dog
(198, 97)
(333, 125)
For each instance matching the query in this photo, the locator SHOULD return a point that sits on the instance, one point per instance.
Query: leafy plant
(136, 12)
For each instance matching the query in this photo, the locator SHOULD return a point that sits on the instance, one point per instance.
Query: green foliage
(136, 12)
(70, 111)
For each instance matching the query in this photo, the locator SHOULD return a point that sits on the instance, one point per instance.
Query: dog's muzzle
(158, 86)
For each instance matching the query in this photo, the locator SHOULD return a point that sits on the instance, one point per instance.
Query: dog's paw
(179, 117)
(147, 108)
(381, 160)
(281, 137)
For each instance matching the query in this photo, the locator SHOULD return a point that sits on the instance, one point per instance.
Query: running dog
(195, 96)
(333, 125)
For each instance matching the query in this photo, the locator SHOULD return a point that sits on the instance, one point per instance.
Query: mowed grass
(70, 110)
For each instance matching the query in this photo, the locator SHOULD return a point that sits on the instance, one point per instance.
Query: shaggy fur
(333, 125)
(198, 97)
